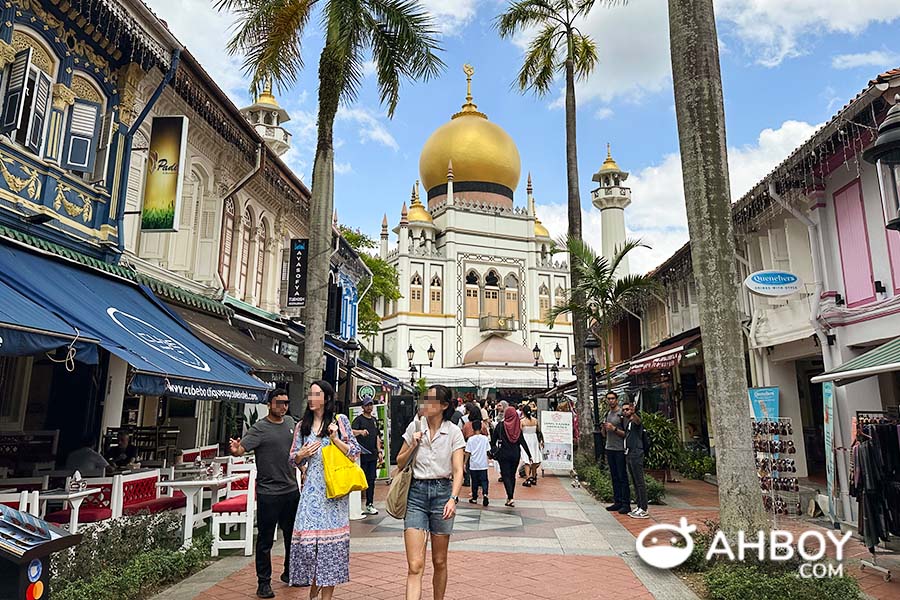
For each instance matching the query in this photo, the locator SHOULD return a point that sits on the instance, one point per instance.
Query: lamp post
(885, 155)
(590, 345)
(352, 350)
(417, 368)
(550, 367)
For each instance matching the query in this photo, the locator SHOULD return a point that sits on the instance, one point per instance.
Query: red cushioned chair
(15, 500)
(96, 507)
(237, 509)
(141, 494)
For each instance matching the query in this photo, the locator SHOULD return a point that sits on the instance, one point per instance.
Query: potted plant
(665, 447)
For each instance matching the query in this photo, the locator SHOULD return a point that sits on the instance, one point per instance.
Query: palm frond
(540, 62)
(584, 55)
(526, 14)
(623, 250)
(583, 7)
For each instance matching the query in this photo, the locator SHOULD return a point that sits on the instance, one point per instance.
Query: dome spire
(417, 211)
(469, 108)
(267, 97)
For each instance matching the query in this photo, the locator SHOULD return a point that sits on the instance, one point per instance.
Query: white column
(114, 400)
(612, 235)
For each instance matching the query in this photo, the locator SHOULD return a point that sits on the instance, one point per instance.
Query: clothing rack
(863, 419)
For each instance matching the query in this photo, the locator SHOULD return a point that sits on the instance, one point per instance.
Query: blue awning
(127, 321)
(26, 328)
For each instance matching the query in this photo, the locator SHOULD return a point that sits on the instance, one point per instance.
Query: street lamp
(885, 155)
(550, 367)
(418, 368)
(352, 350)
(590, 345)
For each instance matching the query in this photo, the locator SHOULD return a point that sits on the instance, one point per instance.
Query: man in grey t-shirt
(614, 431)
(277, 494)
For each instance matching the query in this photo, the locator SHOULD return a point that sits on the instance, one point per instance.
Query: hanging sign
(828, 416)
(773, 283)
(764, 401)
(163, 181)
(299, 264)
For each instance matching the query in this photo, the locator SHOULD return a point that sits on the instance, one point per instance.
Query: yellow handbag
(342, 475)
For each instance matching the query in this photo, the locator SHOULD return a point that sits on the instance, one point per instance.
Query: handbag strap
(415, 451)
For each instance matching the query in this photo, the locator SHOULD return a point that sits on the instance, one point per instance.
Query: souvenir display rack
(776, 466)
(863, 420)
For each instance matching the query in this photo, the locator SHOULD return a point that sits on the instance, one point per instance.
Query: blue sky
(787, 65)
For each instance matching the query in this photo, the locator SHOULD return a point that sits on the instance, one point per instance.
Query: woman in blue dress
(320, 545)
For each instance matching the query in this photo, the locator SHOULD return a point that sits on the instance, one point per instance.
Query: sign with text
(556, 426)
(828, 433)
(163, 180)
(380, 412)
(773, 283)
(764, 401)
(297, 271)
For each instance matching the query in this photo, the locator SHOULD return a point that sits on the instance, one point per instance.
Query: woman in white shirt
(434, 491)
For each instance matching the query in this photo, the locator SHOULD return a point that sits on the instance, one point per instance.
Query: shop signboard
(380, 412)
(773, 283)
(365, 392)
(764, 401)
(163, 182)
(297, 269)
(556, 426)
(828, 416)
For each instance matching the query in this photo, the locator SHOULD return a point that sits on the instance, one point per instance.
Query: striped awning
(883, 359)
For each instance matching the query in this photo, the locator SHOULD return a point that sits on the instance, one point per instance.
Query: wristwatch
(455, 499)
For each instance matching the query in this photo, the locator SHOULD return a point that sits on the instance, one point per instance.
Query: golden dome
(481, 151)
(417, 211)
(267, 97)
(609, 164)
(539, 229)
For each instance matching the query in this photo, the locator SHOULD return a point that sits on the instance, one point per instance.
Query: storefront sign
(163, 181)
(828, 415)
(380, 412)
(556, 427)
(764, 401)
(365, 392)
(658, 363)
(299, 264)
(773, 283)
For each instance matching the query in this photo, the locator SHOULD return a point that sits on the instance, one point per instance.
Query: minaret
(403, 230)
(612, 198)
(268, 118)
(384, 237)
(539, 230)
(450, 183)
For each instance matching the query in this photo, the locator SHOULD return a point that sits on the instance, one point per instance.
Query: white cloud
(773, 30)
(657, 214)
(451, 16)
(371, 128)
(342, 168)
(604, 112)
(879, 59)
(207, 41)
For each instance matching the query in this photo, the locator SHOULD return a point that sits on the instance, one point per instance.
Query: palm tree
(700, 112)
(600, 298)
(560, 46)
(400, 37)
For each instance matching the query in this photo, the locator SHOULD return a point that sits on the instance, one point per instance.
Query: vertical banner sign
(299, 263)
(163, 183)
(764, 401)
(558, 440)
(828, 415)
(380, 413)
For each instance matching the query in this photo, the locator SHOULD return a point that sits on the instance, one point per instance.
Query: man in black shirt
(277, 493)
(367, 430)
(634, 457)
(125, 452)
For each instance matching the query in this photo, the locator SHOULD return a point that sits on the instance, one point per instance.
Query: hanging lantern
(885, 155)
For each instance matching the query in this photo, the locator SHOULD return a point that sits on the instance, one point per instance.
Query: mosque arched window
(472, 292)
(511, 296)
(544, 301)
(559, 298)
(491, 305)
(436, 295)
(492, 279)
(415, 294)
(227, 248)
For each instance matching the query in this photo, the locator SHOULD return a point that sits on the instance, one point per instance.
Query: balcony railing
(497, 323)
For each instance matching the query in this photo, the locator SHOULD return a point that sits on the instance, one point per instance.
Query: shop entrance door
(811, 411)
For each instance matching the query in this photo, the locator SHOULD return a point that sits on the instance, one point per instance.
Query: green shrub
(774, 581)
(599, 482)
(665, 445)
(694, 464)
(140, 576)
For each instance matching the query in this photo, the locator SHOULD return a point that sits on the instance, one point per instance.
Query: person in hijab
(509, 443)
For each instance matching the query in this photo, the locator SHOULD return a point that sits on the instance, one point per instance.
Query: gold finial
(469, 108)
(608, 151)
(267, 97)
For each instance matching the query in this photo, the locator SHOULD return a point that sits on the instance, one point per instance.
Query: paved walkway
(557, 543)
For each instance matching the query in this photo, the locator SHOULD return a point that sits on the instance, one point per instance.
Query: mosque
(476, 273)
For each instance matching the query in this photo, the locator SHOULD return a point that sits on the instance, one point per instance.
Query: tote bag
(342, 475)
(399, 492)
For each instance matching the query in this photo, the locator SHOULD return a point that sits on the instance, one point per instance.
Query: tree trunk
(321, 212)
(701, 131)
(579, 326)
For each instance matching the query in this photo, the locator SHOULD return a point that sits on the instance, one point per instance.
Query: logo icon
(366, 392)
(666, 555)
(157, 339)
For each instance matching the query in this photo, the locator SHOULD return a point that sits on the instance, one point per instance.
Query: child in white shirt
(477, 456)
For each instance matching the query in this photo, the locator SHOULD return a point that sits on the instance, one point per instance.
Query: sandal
(510, 503)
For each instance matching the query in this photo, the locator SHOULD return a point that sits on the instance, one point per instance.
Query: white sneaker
(641, 514)
(634, 513)
(371, 510)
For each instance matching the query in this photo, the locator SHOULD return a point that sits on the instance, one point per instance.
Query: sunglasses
(282, 402)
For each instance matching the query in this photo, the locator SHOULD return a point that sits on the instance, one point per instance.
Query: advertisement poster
(828, 416)
(381, 415)
(764, 401)
(299, 263)
(558, 447)
(163, 183)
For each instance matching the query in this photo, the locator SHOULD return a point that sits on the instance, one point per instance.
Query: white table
(74, 498)
(193, 490)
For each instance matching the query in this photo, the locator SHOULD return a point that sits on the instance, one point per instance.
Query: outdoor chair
(239, 508)
(96, 507)
(16, 500)
(141, 494)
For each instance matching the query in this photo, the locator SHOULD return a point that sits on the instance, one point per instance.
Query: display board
(381, 416)
(558, 452)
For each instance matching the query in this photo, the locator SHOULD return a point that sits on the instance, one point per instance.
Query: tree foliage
(385, 283)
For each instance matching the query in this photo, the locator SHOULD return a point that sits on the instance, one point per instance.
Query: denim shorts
(425, 506)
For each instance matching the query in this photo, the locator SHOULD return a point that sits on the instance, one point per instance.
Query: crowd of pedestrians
(449, 444)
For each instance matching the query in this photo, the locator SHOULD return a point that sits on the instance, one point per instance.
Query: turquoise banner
(764, 401)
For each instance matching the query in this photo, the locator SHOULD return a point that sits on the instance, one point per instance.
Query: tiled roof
(161, 288)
